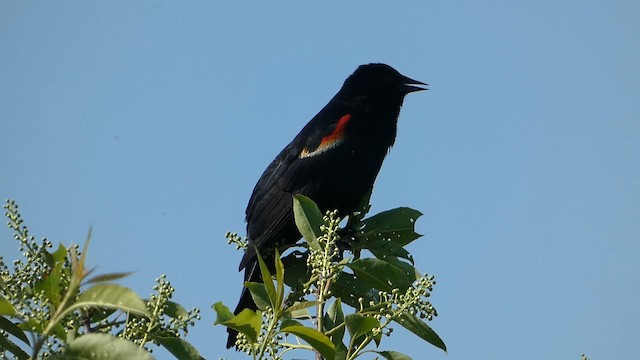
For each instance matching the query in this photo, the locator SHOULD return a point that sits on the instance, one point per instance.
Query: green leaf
(397, 225)
(360, 325)
(333, 319)
(349, 288)
(300, 314)
(111, 296)
(308, 219)
(222, 313)
(421, 329)
(341, 352)
(6, 308)
(99, 314)
(247, 321)
(268, 281)
(299, 310)
(10, 346)
(179, 348)
(258, 294)
(384, 248)
(402, 218)
(32, 325)
(297, 273)
(289, 322)
(380, 274)
(408, 269)
(279, 280)
(300, 305)
(319, 341)
(108, 277)
(103, 347)
(393, 355)
(175, 310)
(13, 329)
(50, 286)
(334, 315)
(60, 254)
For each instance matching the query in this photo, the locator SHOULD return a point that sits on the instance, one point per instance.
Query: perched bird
(334, 160)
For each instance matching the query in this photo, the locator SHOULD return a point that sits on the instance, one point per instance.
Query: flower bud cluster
(18, 285)
(322, 261)
(272, 345)
(141, 329)
(413, 300)
(234, 238)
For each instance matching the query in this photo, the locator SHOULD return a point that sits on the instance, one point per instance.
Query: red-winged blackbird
(334, 160)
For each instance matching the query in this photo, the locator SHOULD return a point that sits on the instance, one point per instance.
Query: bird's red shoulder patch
(329, 141)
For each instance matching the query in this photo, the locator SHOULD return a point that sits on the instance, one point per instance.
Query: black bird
(334, 160)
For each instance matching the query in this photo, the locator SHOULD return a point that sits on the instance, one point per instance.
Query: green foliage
(50, 307)
(384, 289)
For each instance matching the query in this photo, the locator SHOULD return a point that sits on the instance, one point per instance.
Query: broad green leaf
(111, 296)
(308, 219)
(393, 355)
(13, 329)
(222, 313)
(319, 341)
(32, 326)
(175, 310)
(301, 305)
(408, 269)
(99, 314)
(247, 321)
(380, 274)
(297, 272)
(335, 315)
(300, 314)
(341, 352)
(402, 218)
(397, 225)
(333, 319)
(289, 322)
(179, 348)
(60, 254)
(103, 347)
(6, 308)
(349, 288)
(268, 281)
(50, 286)
(360, 325)
(10, 346)
(384, 248)
(421, 329)
(108, 277)
(258, 294)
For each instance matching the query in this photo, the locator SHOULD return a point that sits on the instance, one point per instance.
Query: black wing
(269, 213)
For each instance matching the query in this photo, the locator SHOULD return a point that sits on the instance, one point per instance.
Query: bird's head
(381, 80)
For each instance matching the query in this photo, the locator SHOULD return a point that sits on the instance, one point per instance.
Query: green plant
(383, 290)
(52, 307)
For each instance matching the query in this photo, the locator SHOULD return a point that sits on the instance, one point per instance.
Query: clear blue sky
(152, 120)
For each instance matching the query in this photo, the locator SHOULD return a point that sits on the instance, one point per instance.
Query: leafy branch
(383, 290)
(51, 307)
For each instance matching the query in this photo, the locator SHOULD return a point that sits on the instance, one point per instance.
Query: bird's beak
(408, 85)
